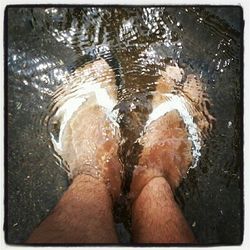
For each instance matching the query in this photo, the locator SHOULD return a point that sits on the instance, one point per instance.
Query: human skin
(156, 217)
(88, 146)
(165, 158)
(83, 215)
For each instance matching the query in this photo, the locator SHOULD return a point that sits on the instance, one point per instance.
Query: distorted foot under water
(153, 90)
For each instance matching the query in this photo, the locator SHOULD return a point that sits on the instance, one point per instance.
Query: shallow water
(44, 44)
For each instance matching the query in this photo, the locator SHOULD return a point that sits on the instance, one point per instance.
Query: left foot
(173, 134)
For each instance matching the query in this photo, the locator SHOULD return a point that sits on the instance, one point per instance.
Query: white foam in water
(67, 109)
(175, 102)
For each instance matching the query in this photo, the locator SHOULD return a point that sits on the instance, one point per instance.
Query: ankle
(110, 184)
(142, 176)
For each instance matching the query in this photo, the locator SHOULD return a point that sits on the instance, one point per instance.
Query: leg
(86, 137)
(171, 143)
(156, 216)
(83, 215)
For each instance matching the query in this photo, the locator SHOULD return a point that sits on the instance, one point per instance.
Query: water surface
(44, 44)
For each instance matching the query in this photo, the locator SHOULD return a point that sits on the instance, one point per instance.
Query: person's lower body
(88, 141)
(83, 215)
(156, 217)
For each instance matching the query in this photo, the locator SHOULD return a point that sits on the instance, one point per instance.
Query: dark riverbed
(44, 43)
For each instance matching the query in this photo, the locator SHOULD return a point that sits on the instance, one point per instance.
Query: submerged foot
(88, 135)
(173, 135)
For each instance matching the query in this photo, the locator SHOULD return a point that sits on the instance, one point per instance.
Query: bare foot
(88, 135)
(174, 133)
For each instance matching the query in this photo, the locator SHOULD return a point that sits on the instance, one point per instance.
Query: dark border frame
(5, 226)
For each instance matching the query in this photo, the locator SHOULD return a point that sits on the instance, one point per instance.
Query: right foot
(88, 135)
(173, 135)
